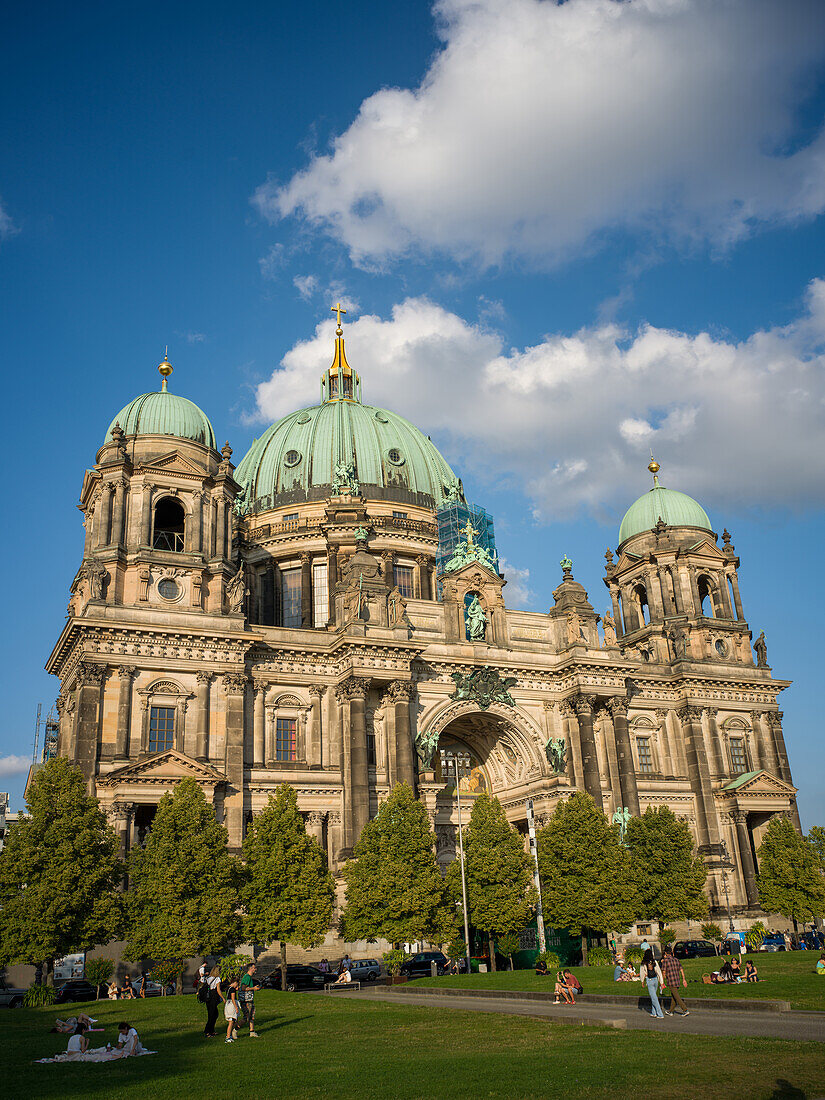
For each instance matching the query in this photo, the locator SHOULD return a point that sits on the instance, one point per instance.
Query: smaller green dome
(676, 509)
(164, 413)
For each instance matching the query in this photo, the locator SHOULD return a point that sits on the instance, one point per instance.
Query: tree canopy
(790, 876)
(585, 872)
(497, 869)
(394, 887)
(183, 883)
(59, 872)
(669, 878)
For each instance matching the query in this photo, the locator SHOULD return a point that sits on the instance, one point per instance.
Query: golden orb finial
(654, 468)
(165, 369)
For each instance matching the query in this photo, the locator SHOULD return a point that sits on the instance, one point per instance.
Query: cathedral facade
(291, 620)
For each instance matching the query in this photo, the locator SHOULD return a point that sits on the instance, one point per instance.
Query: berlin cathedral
(329, 613)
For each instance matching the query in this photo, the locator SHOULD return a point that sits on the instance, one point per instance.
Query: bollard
(433, 969)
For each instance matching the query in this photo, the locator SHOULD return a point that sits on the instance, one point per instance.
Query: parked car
(153, 989)
(76, 990)
(419, 966)
(365, 970)
(694, 949)
(297, 977)
(774, 942)
(9, 996)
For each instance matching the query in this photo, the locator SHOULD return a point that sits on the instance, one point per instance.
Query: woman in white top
(213, 996)
(128, 1040)
(79, 1042)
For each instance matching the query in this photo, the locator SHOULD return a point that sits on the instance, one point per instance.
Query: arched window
(706, 598)
(169, 525)
(644, 610)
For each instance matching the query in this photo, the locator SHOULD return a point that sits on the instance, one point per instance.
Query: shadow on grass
(786, 1091)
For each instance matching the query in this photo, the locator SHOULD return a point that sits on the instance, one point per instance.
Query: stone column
(259, 724)
(617, 611)
(737, 599)
(306, 590)
(774, 720)
(624, 755)
(202, 704)
(315, 748)
(356, 689)
(146, 516)
(345, 755)
(389, 737)
(654, 596)
(669, 752)
(387, 559)
(332, 579)
(664, 585)
(315, 826)
(583, 705)
(423, 578)
(220, 532)
(399, 693)
(124, 711)
(90, 678)
(767, 745)
(570, 731)
(694, 589)
(103, 515)
(118, 511)
(743, 842)
(678, 596)
(698, 774)
(719, 762)
(724, 596)
(196, 519)
(234, 684)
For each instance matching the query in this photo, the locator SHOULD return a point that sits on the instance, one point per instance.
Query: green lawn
(789, 976)
(313, 1046)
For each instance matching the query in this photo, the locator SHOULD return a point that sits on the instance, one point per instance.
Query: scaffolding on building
(52, 729)
(452, 520)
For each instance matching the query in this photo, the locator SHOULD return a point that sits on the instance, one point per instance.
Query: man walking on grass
(247, 998)
(673, 973)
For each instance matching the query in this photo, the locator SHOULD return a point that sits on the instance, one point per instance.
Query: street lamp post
(727, 898)
(463, 759)
(531, 831)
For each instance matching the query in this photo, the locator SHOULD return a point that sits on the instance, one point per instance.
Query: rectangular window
(399, 515)
(644, 755)
(371, 749)
(161, 729)
(320, 594)
(290, 517)
(643, 929)
(402, 578)
(738, 758)
(285, 738)
(291, 597)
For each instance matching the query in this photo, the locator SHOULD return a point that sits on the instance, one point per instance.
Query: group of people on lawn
(238, 996)
(80, 1027)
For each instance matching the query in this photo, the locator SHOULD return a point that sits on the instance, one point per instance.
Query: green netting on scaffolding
(452, 527)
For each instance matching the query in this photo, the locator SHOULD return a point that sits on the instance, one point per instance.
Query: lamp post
(461, 759)
(531, 831)
(727, 897)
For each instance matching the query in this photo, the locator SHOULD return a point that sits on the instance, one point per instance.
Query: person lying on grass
(70, 1025)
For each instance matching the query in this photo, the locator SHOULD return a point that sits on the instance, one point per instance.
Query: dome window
(395, 456)
(169, 525)
(168, 589)
(382, 417)
(292, 458)
(304, 418)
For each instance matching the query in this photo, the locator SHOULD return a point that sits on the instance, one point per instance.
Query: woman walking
(651, 974)
(214, 995)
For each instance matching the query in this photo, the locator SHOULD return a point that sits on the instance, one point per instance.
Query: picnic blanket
(96, 1054)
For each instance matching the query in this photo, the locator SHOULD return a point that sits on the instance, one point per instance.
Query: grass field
(314, 1046)
(789, 976)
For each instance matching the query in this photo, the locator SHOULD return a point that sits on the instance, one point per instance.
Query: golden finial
(165, 369)
(654, 468)
(336, 309)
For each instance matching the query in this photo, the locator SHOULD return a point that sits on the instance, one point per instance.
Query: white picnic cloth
(96, 1054)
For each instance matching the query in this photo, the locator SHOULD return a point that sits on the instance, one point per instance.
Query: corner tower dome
(164, 413)
(676, 509)
(303, 455)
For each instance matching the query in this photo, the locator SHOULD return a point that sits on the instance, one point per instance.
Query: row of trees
(61, 880)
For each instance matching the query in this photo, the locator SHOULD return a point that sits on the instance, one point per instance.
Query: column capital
(711, 712)
(689, 713)
(316, 690)
(661, 713)
(740, 817)
(90, 674)
(126, 672)
(203, 677)
(422, 560)
(234, 683)
(306, 557)
(566, 709)
(774, 718)
(584, 704)
(354, 688)
(317, 817)
(617, 706)
(259, 685)
(399, 691)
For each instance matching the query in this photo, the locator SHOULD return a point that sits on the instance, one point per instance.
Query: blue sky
(565, 234)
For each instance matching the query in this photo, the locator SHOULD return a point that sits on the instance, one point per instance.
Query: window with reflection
(403, 579)
(738, 756)
(644, 755)
(320, 594)
(161, 729)
(291, 597)
(285, 738)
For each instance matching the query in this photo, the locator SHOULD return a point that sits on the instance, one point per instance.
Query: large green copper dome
(297, 458)
(676, 509)
(164, 413)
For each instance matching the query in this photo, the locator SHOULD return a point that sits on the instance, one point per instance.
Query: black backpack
(203, 993)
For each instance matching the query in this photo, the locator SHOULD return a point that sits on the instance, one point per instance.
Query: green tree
(669, 878)
(790, 877)
(183, 883)
(712, 932)
(816, 838)
(394, 887)
(508, 945)
(166, 972)
(288, 893)
(59, 873)
(585, 872)
(497, 869)
(99, 971)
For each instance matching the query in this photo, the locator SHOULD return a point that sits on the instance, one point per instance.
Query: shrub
(393, 960)
(550, 959)
(99, 971)
(666, 936)
(37, 995)
(167, 972)
(232, 966)
(633, 955)
(712, 932)
(599, 956)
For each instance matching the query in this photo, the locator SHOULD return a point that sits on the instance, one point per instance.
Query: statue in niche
(678, 639)
(396, 608)
(556, 752)
(476, 620)
(609, 628)
(574, 630)
(236, 592)
(761, 647)
(96, 577)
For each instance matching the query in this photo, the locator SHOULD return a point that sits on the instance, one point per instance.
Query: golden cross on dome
(338, 311)
(469, 531)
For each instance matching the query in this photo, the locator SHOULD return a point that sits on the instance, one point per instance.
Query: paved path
(768, 1025)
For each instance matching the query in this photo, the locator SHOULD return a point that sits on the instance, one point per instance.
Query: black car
(419, 966)
(694, 949)
(76, 990)
(297, 977)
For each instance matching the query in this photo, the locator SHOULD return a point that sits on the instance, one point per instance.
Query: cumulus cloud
(14, 765)
(541, 126)
(570, 421)
(519, 593)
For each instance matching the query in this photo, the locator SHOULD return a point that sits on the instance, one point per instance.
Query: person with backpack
(211, 994)
(247, 998)
(651, 975)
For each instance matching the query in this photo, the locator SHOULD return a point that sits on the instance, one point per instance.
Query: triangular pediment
(475, 567)
(706, 547)
(173, 463)
(164, 767)
(756, 783)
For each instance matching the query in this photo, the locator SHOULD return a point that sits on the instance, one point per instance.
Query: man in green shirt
(247, 998)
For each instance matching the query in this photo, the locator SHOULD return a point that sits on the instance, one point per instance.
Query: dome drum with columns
(284, 621)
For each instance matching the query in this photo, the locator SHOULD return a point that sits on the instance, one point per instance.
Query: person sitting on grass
(735, 968)
(541, 967)
(79, 1042)
(820, 966)
(127, 1041)
(725, 975)
(113, 991)
(126, 991)
(751, 973)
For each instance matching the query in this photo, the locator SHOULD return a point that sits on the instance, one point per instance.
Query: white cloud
(306, 285)
(570, 421)
(7, 226)
(192, 337)
(519, 593)
(541, 126)
(14, 765)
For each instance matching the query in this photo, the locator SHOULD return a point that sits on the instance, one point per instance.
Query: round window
(168, 588)
(721, 648)
(304, 418)
(382, 417)
(395, 456)
(292, 458)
